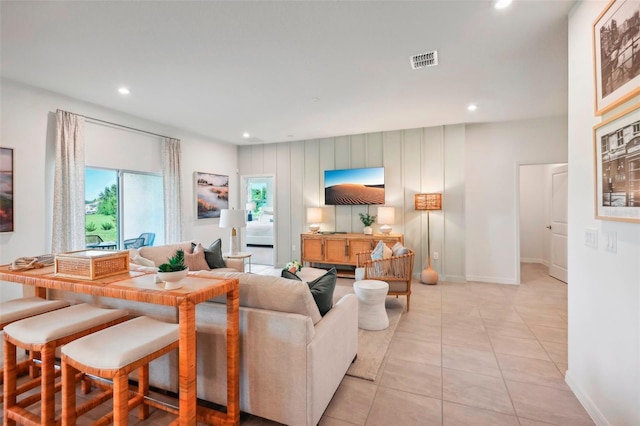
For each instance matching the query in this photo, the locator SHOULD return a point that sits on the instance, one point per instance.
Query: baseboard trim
(494, 280)
(587, 403)
(531, 260)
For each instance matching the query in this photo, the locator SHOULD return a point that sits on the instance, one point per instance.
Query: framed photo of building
(617, 167)
(616, 51)
(212, 194)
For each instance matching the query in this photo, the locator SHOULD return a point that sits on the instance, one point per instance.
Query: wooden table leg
(187, 358)
(233, 357)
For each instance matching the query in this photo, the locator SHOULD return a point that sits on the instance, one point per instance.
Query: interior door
(559, 225)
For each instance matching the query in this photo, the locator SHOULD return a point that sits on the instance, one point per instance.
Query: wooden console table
(341, 249)
(140, 287)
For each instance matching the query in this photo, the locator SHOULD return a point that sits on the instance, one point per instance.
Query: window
(120, 206)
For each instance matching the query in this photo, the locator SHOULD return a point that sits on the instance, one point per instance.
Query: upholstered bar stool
(113, 353)
(17, 309)
(44, 333)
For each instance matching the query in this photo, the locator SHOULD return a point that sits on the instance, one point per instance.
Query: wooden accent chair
(396, 271)
(44, 333)
(113, 353)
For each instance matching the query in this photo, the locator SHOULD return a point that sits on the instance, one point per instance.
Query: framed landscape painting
(212, 194)
(617, 167)
(616, 51)
(6, 190)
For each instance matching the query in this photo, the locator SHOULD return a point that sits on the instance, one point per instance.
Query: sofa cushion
(269, 292)
(213, 255)
(161, 254)
(195, 261)
(321, 288)
(139, 260)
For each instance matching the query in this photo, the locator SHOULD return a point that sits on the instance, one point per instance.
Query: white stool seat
(122, 344)
(53, 325)
(371, 294)
(113, 353)
(25, 307)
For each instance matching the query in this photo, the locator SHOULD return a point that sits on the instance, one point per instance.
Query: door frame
(518, 165)
(243, 199)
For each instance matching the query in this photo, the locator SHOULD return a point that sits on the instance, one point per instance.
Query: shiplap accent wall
(415, 160)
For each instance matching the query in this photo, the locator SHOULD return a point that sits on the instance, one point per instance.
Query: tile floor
(466, 354)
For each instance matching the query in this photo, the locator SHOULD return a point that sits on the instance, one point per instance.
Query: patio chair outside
(92, 241)
(133, 243)
(149, 238)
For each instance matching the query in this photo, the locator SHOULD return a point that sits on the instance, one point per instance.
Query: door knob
(549, 227)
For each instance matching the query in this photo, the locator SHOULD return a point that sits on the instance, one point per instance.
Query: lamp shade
(432, 201)
(250, 206)
(232, 218)
(314, 217)
(314, 214)
(386, 215)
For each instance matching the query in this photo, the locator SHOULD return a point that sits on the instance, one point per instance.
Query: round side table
(372, 314)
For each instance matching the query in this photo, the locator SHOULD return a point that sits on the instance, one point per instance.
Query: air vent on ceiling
(428, 59)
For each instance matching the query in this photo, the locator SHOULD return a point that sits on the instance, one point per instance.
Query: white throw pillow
(139, 260)
(398, 249)
(381, 251)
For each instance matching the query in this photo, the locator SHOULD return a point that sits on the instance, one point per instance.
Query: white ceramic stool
(112, 354)
(372, 314)
(44, 333)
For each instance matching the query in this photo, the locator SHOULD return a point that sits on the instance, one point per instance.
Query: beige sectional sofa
(292, 360)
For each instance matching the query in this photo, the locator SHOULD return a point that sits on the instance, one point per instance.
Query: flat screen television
(348, 187)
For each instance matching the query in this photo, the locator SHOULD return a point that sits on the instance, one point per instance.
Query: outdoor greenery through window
(123, 209)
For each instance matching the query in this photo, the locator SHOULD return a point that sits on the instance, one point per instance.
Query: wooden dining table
(142, 287)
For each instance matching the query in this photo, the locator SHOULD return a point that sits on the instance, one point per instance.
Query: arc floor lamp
(428, 202)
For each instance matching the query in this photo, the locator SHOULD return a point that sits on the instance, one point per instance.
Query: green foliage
(98, 220)
(90, 227)
(176, 263)
(106, 226)
(108, 201)
(367, 219)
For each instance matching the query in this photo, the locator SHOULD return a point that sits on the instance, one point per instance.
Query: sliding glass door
(122, 208)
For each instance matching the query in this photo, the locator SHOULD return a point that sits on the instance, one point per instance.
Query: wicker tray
(91, 264)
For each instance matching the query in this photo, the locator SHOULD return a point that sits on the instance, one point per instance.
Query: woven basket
(91, 264)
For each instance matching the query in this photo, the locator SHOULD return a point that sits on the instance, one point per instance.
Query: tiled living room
(286, 91)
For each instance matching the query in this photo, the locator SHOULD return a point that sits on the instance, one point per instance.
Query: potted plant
(367, 220)
(174, 271)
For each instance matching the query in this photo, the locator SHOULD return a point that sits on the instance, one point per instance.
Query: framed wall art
(212, 194)
(616, 51)
(617, 167)
(6, 190)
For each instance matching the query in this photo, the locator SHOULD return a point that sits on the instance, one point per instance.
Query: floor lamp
(233, 219)
(428, 202)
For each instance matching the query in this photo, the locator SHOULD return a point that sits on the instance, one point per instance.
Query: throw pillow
(213, 255)
(381, 251)
(139, 260)
(196, 261)
(398, 249)
(321, 288)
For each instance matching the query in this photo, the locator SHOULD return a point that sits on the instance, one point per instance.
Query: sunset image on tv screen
(354, 186)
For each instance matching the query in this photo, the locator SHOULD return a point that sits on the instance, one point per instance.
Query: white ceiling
(219, 69)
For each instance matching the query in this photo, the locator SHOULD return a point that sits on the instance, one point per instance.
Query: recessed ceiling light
(124, 91)
(502, 4)
(289, 136)
(472, 107)
(315, 99)
(246, 135)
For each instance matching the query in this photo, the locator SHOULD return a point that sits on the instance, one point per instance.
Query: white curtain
(68, 186)
(172, 190)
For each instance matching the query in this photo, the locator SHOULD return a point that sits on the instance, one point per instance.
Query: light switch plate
(591, 237)
(610, 241)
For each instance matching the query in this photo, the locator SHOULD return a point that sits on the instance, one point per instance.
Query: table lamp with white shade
(428, 202)
(233, 219)
(314, 217)
(386, 217)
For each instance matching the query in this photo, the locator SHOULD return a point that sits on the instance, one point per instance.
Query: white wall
(532, 213)
(604, 288)
(28, 126)
(415, 160)
(493, 154)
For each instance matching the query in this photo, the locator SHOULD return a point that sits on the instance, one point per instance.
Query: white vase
(368, 230)
(172, 280)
